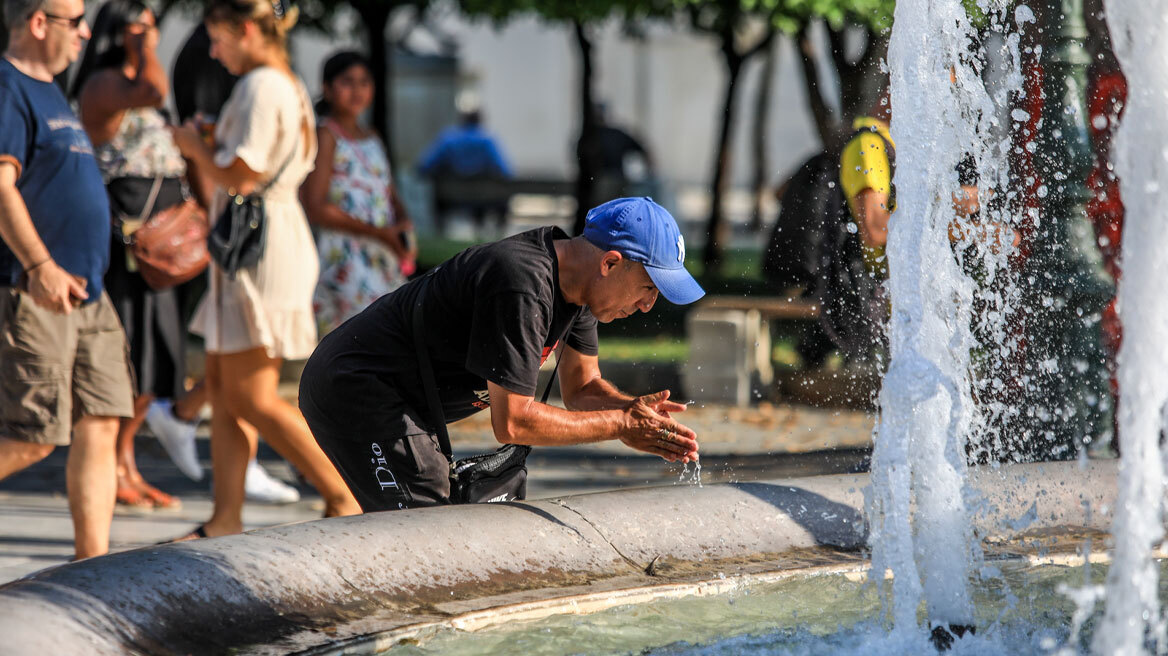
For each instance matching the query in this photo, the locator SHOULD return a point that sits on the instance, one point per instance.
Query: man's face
(63, 34)
(625, 289)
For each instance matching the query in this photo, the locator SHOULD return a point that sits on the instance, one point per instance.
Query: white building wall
(666, 89)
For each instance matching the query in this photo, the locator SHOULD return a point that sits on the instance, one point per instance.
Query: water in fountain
(918, 504)
(1139, 31)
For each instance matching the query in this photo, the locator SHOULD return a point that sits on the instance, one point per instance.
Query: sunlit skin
(241, 49)
(621, 289)
(64, 42)
(349, 94)
(41, 49)
(611, 287)
(243, 385)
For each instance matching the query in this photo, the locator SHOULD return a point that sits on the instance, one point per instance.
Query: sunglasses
(73, 23)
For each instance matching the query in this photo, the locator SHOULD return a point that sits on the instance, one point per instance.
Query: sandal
(132, 498)
(160, 499)
(199, 533)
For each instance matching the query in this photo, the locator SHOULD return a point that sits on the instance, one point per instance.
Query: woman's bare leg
(133, 490)
(187, 408)
(249, 382)
(232, 444)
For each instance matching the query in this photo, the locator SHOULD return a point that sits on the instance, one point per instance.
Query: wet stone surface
(738, 444)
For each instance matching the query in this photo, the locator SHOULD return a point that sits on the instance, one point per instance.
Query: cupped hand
(648, 430)
(665, 406)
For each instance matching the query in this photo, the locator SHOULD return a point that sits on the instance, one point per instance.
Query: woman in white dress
(264, 139)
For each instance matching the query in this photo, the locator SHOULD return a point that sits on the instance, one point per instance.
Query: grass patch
(662, 348)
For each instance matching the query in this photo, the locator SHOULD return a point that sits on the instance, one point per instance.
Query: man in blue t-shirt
(66, 378)
(466, 152)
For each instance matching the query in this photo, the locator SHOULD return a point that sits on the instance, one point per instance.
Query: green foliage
(584, 11)
(791, 14)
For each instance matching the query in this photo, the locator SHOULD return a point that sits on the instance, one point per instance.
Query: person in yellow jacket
(855, 307)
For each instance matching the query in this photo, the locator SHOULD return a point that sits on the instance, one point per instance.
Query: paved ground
(737, 444)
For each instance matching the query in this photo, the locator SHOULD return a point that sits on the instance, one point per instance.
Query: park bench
(730, 344)
(500, 192)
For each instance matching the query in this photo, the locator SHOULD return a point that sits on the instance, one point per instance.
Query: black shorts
(384, 469)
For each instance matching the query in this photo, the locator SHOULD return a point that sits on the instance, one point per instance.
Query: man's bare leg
(15, 455)
(91, 478)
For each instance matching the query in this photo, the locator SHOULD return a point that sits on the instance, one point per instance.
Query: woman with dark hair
(119, 87)
(365, 237)
(252, 321)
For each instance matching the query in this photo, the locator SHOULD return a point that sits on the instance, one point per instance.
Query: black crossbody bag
(240, 235)
(487, 478)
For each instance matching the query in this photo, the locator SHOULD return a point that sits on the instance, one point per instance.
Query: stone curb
(298, 586)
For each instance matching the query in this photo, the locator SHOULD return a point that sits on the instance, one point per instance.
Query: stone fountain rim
(316, 586)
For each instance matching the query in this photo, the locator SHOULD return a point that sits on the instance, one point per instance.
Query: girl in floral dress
(364, 237)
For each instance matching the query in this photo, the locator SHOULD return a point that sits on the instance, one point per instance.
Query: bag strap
(148, 209)
(118, 220)
(336, 130)
(260, 191)
(427, 370)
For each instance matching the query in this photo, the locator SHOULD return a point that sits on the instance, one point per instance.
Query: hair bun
(291, 15)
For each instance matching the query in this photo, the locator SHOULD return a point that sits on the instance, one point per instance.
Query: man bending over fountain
(482, 323)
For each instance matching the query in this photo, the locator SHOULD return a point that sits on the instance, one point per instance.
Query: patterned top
(141, 148)
(355, 271)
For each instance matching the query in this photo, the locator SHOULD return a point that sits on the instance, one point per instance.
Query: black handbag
(238, 238)
(487, 478)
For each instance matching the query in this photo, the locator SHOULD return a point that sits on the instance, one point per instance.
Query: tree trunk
(761, 138)
(717, 233)
(825, 121)
(862, 81)
(375, 16)
(587, 153)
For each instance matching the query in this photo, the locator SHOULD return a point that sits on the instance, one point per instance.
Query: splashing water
(694, 478)
(927, 409)
(1140, 38)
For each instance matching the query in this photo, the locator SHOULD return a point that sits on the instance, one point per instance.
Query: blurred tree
(760, 137)
(856, 43)
(742, 32)
(321, 16)
(746, 28)
(583, 16)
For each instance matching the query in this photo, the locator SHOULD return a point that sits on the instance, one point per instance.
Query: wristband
(44, 261)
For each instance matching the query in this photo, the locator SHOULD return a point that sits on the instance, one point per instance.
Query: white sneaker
(260, 486)
(177, 437)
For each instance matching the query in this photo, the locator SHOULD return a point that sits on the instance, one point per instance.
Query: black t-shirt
(493, 312)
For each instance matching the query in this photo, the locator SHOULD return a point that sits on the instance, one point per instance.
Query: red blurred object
(1107, 92)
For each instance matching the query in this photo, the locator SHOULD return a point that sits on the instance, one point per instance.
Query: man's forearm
(539, 424)
(598, 394)
(17, 229)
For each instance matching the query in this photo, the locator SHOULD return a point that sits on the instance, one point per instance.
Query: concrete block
(730, 355)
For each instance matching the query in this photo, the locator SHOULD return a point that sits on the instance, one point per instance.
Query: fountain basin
(318, 585)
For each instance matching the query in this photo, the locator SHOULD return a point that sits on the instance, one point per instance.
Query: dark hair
(334, 66)
(19, 11)
(107, 48)
(274, 18)
(206, 85)
(471, 117)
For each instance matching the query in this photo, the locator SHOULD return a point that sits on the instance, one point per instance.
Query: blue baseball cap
(645, 232)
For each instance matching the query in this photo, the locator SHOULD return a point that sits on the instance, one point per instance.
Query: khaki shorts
(55, 368)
